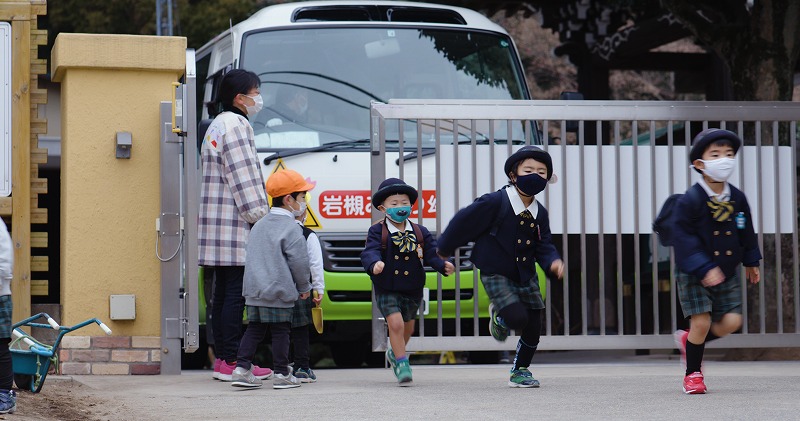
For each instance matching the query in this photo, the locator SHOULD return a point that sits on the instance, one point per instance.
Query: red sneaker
(226, 371)
(693, 384)
(261, 373)
(217, 363)
(680, 337)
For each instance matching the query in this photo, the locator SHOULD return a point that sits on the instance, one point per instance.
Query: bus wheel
(376, 359)
(484, 357)
(350, 354)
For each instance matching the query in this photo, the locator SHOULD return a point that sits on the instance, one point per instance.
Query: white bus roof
(281, 16)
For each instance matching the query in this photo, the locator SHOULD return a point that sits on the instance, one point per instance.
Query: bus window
(337, 71)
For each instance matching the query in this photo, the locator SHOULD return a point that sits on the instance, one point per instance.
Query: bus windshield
(317, 83)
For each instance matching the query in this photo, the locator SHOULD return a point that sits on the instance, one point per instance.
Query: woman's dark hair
(235, 82)
(278, 201)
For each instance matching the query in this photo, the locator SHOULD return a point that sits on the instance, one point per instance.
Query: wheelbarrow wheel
(23, 381)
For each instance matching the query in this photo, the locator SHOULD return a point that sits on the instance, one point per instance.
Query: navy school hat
(707, 137)
(530, 151)
(392, 186)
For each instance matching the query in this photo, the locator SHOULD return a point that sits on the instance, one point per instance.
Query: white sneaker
(244, 378)
(288, 381)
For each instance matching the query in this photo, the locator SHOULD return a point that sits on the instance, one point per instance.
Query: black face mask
(531, 184)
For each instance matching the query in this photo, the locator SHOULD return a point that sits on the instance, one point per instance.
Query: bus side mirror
(572, 125)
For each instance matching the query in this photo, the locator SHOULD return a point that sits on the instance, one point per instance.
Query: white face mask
(299, 212)
(252, 110)
(719, 169)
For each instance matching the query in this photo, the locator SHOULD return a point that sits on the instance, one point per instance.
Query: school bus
(321, 64)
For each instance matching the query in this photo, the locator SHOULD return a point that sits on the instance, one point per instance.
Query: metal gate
(616, 163)
(176, 226)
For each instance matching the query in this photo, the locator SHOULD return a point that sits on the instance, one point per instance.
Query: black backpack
(664, 224)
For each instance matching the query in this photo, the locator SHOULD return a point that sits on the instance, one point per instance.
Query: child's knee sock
(524, 354)
(694, 356)
(529, 340)
(514, 316)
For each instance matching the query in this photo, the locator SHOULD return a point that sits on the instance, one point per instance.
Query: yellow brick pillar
(110, 84)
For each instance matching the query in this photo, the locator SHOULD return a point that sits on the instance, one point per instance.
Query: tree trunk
(761, 78)
(759, 44)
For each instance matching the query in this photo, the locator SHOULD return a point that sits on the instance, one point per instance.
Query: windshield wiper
(300, 151)
(430, 150)
(414, 155)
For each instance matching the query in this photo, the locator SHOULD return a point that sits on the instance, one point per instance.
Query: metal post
(158, 17)
(169, 18)
(191, 200)
(170, 239)
(177, 234)
(378, 174)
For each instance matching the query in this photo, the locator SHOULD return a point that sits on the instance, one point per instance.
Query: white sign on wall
(5, 109)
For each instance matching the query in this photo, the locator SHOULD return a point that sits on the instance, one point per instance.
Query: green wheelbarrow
(32, 359)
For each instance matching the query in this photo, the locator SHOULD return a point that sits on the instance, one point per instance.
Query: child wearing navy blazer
(713, 236)
(511, 231)
(394, 255)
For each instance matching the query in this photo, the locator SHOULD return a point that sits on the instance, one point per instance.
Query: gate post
(112, 84)
(377, 175)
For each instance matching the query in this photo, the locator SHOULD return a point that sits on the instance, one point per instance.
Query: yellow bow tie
(526, 214)
(720, 211)
(406, 241)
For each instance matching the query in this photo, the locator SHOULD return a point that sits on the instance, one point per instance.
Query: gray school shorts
(393, 302)
(504, 292)
(717, 300)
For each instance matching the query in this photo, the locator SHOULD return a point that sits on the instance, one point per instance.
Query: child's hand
(557, 268)
(713, 277)
(317, 297)
(448, 268)
(304, 295)
(752, 274)
(378, 268)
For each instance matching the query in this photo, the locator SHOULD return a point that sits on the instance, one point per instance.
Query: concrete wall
(111, 83)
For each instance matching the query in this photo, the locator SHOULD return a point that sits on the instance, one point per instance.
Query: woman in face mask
(232, 199)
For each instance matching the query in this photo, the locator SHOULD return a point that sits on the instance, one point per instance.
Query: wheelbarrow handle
(53, 323)
(19, 334)
(104, 327)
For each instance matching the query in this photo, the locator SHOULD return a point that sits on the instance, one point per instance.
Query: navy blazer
(702, 242)
(505, 243)
(402, 272)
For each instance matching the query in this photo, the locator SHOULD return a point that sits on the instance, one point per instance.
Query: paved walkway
(609, 388)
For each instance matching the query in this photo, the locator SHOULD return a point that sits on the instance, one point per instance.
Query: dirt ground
(64, 399)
